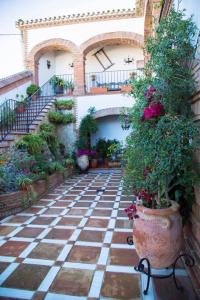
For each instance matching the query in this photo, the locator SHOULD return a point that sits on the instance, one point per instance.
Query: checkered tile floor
(71, 244)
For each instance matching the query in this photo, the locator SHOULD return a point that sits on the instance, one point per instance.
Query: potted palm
(159, 157)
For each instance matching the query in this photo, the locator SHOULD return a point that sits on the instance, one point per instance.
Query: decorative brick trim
(166, 8)
(77, 18)
(9, 83)
(110, 38)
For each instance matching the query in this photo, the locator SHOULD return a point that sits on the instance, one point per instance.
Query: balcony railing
(100, 82)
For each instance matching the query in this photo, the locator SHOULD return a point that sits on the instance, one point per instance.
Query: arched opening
(111, 59)
(52, 57)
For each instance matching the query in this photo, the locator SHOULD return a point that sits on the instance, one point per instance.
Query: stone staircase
(15, 124)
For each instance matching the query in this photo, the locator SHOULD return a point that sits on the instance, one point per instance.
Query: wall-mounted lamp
(128, 60)
(71, 65)
(48, 64)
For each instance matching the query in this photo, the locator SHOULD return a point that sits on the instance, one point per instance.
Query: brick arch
(112, 38)
(105, 112)
(46, 46)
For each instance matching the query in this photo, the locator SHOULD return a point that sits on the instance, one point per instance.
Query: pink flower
(155, 109)
(152, 89)
(131, 212)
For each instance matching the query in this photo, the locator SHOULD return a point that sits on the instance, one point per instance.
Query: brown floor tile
(72, 282)
(53, 211)
(43, 202)
(26, 277)
(46, 251)
(77, 212)
(161, 286)
(43, 220)
(89, 193)
(120, 237)
(29, 232)
(69, 198)
(125, 204)
(124, 224)
(63, 204)
(79, 188)
(83, 204)
(101, 213)
(84, 254)
(13, 248)
(123, 257)
(121, 286)
(69, 221)
(3, 266)
(99, 223)
(91, 236)
(18, 219)
(32, 210)
(85, 198)
(107, 198)
(4, 230)
(121, 213)
(110, 192)
(51, 197)
(71, 192)
(39, 296)
(59, 234)
(105, 204)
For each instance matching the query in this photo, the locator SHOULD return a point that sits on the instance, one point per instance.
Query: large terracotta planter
(99, 90)
(158, 235)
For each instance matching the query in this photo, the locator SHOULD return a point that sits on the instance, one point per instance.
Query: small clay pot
(158, 235)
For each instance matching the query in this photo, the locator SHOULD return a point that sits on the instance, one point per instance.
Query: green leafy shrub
(57, 81)
(159, 156)
(64, 104)
(32, 89)
(60, 118)
(87, 126)
(32, 142)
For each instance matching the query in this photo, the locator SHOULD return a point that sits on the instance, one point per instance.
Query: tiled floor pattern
(72, 245)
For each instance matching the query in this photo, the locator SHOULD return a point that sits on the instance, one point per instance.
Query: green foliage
(57, 81)
(102, 147)
(69, 162)
(32, 89)
(64, 104)
(69, 85)
(88, 126)
(60, 118)
(32, 142)
(159, 154)
(48, 133)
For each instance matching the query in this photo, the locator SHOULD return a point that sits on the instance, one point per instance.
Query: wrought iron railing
(111, 80)
(18, 116)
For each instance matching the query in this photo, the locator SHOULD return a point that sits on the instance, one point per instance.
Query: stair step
(4, 144)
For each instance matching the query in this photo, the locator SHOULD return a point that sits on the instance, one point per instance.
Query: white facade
(79, 33)
(101, 102)
(20, 90)
(109, 128)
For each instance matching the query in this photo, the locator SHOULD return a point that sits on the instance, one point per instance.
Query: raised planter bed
(11, 203)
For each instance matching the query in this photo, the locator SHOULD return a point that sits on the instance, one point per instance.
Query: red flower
(146, 171)
(145, 196)
(153, 110)
(131, 212)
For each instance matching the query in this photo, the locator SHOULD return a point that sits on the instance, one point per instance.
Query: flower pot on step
(158, 235)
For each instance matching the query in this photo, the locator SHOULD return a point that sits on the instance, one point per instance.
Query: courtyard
(72, 244)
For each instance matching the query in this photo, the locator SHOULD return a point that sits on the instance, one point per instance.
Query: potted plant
(64, 104)
(93, 159)
(69, 86)
(99, 89)
(21, 103)
(159, 157)
(58, 84)
(33, 89)
(113, 152)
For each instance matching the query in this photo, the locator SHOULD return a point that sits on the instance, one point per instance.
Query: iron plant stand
(189, 261)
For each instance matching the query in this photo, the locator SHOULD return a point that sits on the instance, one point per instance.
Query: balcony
(110, 81)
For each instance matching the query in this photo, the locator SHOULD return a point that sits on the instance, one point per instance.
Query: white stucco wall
(45, 73)
(109, 128)
(117, 54)
(21, 90)
(60, 61)
(101, 102)
(79, 33)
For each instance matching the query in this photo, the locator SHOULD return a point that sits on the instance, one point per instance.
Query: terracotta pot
(99, 90)
(158, 235)
(93, 163)
(125, 88)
